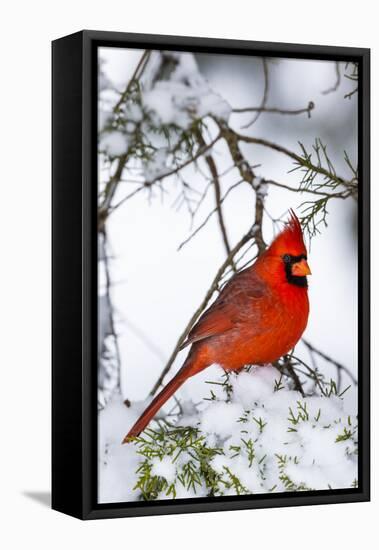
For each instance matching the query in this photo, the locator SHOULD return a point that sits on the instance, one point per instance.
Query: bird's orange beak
(301, 269)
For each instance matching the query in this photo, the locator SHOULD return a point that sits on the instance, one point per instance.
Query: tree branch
(248, 175)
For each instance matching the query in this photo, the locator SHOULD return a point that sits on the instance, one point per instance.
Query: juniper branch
(294, 156)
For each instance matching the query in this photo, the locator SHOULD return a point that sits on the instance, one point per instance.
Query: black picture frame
(74, 294)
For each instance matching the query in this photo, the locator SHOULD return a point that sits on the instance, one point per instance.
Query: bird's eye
(287, 258)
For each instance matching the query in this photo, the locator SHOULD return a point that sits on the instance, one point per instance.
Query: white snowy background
(156, 288)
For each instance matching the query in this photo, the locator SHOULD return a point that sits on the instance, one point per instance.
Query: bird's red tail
(185, 372)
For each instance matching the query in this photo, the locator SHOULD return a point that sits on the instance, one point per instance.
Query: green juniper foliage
(319, 176)
(204, 464)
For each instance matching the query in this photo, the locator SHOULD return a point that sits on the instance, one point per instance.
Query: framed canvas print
(210, 274)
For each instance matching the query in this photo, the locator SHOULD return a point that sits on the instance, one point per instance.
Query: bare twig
(277, 110)
(265, 94)
(335, 87)
(309, 373)
(350, 94)
(199, 153)
(110, 190)
(136, 75)
(329, 359)
(352, 76)
(287, 366)
(109, 356)
(248, 175)
(217, 188)
(210, 214)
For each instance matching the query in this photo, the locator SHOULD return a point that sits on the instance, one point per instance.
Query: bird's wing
(239, 298)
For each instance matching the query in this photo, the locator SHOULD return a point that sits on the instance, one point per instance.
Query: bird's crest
(290, 239)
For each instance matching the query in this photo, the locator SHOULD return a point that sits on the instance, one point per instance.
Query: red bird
(259, 316)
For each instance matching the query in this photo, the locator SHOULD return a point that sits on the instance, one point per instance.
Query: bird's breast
(271, 330)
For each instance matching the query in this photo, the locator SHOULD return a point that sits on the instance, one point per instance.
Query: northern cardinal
(258, 316)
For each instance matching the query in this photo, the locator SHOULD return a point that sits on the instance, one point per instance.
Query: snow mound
(256, 437)
(185, 96)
